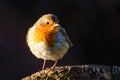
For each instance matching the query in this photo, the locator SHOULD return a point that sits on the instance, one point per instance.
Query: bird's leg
(54, 65)
(43, 67)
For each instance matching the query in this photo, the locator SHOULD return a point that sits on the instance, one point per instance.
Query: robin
(47, 40)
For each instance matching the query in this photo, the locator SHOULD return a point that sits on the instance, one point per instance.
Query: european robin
(47, 40)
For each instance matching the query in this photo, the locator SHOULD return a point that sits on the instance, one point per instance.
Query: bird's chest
(45, 36)
(54, 47)
(54, 52)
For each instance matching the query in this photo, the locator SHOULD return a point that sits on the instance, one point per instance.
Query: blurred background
(93, 27)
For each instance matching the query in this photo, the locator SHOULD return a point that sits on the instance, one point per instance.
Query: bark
(78, 72)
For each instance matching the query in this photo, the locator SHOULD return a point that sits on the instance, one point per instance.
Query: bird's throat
(44, 35)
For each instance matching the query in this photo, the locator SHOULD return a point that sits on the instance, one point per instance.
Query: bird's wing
(62, 30)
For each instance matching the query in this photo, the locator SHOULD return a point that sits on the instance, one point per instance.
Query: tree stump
(78, 72)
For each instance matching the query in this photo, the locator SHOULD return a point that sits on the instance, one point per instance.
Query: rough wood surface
(78, 72)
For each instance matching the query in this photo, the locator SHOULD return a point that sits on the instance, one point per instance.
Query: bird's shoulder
(64, 33)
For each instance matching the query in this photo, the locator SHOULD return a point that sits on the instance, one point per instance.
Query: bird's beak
(56, 25)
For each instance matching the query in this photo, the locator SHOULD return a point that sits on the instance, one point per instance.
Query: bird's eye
(47, 22)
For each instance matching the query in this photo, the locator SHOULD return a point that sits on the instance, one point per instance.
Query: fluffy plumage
(47, 40)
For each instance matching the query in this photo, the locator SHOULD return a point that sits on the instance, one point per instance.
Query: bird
(48, 40)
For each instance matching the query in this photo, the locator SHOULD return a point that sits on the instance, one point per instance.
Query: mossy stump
(79, 72)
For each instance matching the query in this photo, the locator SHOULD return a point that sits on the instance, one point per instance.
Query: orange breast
(45, 34)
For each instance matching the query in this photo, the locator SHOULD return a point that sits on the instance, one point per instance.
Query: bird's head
(46, 28)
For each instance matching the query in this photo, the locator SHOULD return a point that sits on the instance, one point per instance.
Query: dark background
(93, 27)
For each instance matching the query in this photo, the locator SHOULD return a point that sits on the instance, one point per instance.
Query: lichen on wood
(78, 72)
